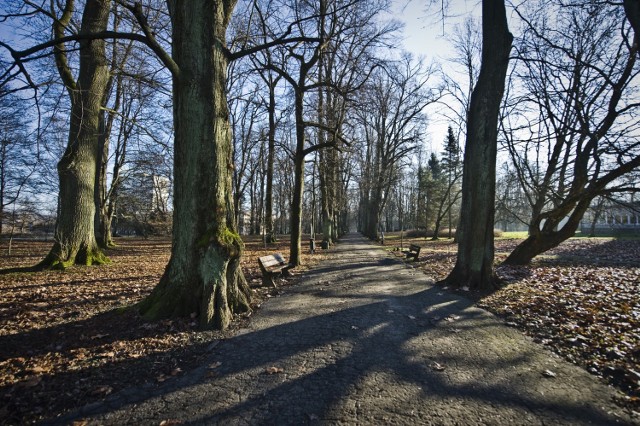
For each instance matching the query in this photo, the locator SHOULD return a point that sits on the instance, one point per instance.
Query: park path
(366, 339)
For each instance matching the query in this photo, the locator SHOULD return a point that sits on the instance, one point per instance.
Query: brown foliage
(71, 338)
(581, 299)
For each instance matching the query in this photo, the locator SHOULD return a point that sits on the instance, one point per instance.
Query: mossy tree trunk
(203, 275)
(75, 241)
(474, 265)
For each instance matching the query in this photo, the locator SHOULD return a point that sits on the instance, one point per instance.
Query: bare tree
(330, 27)
(391, 122)
(18, 161)
(474, 264)
(131, 111)
(581, 140)
(467, 49)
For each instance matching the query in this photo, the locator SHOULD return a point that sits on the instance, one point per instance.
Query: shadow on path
(365, 339)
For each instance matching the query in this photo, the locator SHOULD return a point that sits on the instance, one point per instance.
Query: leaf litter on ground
(71, 338)
(580, 299)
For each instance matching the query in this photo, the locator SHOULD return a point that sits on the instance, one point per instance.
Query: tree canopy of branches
(577, 68)
(390, 123)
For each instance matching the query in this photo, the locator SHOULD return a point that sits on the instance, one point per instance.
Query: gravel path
(364, 339)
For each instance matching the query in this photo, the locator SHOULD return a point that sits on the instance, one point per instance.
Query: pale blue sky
(424, 27)
(425, 35)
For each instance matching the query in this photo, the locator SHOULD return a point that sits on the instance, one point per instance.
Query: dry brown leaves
(71, 338)
(588, 314)
(581, 299)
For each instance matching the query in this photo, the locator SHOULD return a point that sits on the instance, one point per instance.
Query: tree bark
(547, 235)
(75, 241)
(474, 265)
(298, 189)
(632, 11)
(268, 209)
(203, 275)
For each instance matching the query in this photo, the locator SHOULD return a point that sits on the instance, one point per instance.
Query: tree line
(291, 116)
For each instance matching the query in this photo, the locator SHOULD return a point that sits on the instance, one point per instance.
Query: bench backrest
(414, 247)
(272, 260)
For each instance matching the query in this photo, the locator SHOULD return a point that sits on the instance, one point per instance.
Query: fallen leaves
(274, 370)
(549, 373)
(69, 338)
(590, 314)
(437, 366)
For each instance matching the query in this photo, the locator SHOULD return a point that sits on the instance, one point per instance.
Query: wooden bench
(273, 266)
(414, 251)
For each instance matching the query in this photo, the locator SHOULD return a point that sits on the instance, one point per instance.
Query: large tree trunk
(203, 275)
(298, 189)
(373, 214)
(632, 11)
(75, 241)
(542, 241)
(327, 174)
(474, 265)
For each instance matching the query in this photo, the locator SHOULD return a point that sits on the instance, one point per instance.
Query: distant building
(618, 218)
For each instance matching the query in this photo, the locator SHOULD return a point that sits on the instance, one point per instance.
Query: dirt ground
(70, 338)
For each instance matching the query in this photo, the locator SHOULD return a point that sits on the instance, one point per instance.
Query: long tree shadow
(81, 361)
(352, 356)
(350, 348)
(616, 252)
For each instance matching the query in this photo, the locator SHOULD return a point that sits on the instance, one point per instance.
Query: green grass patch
(515, 235)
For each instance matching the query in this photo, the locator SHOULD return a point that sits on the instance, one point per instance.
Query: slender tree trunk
(3, 179)
(203, 275)
(296, 210)
(268, 213)
(324, 168)
(436, 228)
(547, 235)
(102, 229)
(75, 241)
(298, 173)
(474, 265)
